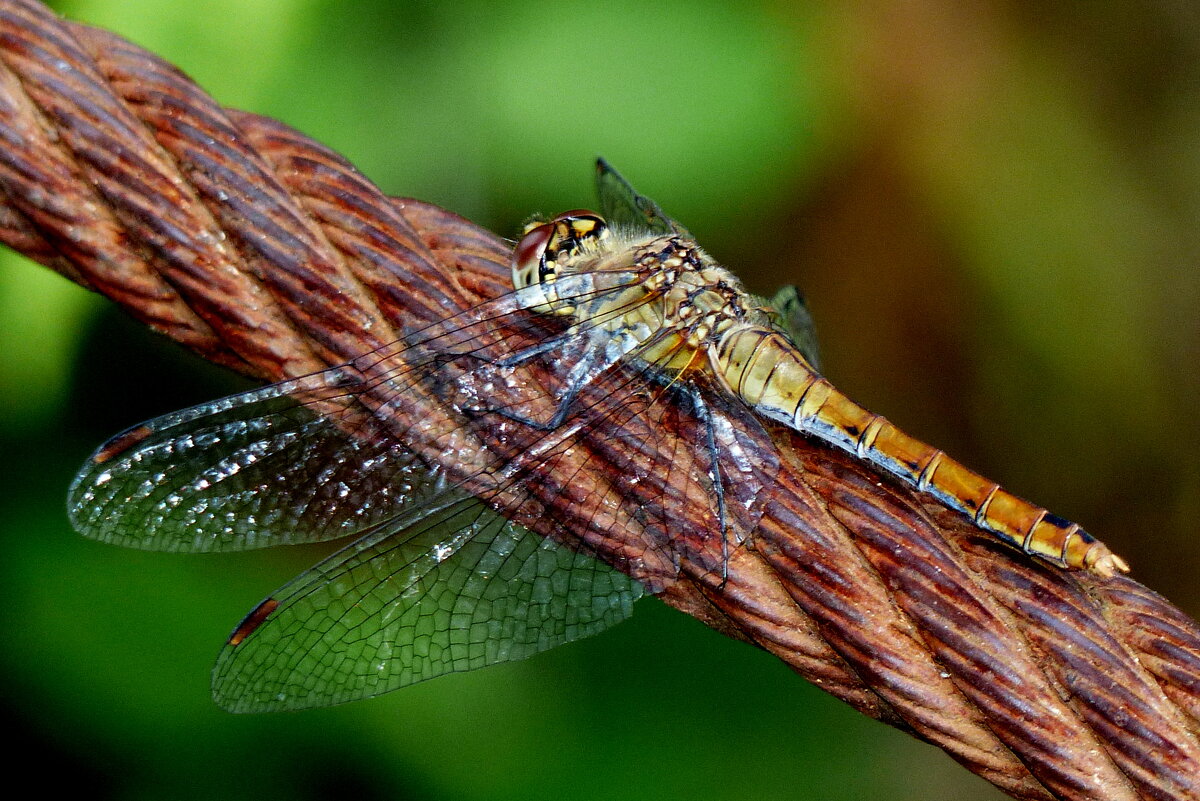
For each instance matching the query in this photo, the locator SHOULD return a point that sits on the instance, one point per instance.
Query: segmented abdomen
(767, 372)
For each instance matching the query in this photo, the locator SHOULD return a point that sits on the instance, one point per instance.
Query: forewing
(621, 205)
(455, 589)
(305, 460)
(249, 471)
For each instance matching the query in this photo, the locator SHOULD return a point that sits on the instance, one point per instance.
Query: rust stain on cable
(264, 251)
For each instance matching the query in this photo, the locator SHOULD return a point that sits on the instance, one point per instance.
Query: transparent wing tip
(81, 495)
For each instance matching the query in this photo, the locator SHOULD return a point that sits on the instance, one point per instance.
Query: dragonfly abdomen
(769, 374)
(991, 507)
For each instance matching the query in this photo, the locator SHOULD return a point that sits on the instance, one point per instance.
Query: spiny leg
(704, 414)
(595, 361)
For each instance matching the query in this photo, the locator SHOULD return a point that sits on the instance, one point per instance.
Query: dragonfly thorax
(696, 297)
(678, 303)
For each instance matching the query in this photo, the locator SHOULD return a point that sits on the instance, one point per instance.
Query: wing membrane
(797, 320)
(455, 589)
(621, 205)
(252, 471)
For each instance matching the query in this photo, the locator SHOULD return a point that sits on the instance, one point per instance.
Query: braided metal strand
(264, 251)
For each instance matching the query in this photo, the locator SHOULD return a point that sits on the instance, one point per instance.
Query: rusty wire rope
(263, 251)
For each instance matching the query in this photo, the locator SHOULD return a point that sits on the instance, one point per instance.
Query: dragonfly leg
(512, 360)
(714, 474)
(561, 412)
(522, 356)
(592, 363)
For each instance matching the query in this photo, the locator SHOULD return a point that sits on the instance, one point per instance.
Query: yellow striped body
(764, 369)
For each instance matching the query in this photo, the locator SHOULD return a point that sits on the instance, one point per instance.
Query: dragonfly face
(434, 450)
(546, 245)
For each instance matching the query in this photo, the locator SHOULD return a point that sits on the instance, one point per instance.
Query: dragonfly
(621, 336)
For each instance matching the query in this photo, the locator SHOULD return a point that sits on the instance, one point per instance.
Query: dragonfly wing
(249, 471)
(304, 460)
(437, 581)
(455, 589)
(797, 320)
(621, 205)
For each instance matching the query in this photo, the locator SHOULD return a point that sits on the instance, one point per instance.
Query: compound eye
(580, 224)
(530, 255)
(573, 213)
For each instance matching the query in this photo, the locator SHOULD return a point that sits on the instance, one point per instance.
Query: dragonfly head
(546, 246)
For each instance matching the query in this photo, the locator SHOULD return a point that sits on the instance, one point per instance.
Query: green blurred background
(992, 207)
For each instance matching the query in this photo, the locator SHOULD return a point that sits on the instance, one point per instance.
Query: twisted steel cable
(264, 251)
